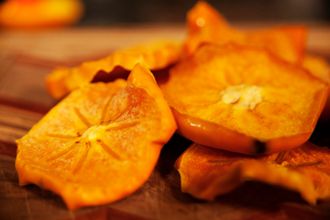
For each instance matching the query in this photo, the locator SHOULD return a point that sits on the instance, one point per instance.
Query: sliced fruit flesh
(100, 143)
(207, 173)
(205, 24)
(156, 55)
(319, 68)
(36, 13)
(247, 91)
(281, 41)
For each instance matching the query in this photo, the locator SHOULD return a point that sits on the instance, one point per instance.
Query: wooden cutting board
(25, 59)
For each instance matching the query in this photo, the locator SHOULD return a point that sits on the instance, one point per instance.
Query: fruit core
(245, 96)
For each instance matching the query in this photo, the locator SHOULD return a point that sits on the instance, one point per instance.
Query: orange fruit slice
(206, 173)
(39, 13)
(319, 68)
(100, 143)
(156, 55)
(243, 99)
(206, 24)
(286, 42)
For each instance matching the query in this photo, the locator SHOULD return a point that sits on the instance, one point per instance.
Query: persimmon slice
(155, 55)
(243, 99)
(100, 143)
(320, 68)
(207, 173)
(39, 13)
(206, 24)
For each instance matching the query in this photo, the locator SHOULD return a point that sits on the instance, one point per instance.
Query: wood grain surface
(25, 59)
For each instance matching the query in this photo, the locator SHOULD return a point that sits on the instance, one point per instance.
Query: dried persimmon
(243, 99)
(39, 13)
(205, 24)
(100, 143)
(320, 68)
(207, 173)
(155, 55)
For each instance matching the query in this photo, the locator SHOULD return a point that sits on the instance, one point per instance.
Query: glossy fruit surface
(155, 55)
(207, 173)
(243, 99)
(100, 143)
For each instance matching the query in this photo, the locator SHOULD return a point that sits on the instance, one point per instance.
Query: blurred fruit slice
(207, 173)
(100, 143)
(206, 24)
(243, 99)
(40, 13)
(156, 55)
(320, 68)
(286, 42)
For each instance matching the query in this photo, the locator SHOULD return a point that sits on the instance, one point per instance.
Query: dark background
(105, 12)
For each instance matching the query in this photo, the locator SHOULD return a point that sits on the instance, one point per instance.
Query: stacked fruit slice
(249, 93)
(249, 100)
(207, 173)
(243, 99)
(100, 143)
(155, 56)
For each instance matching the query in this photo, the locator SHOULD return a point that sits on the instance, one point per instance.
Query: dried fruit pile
(249, 100)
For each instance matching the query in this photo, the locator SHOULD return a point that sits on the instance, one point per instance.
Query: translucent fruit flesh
(154, 56)
(207, 173)
(100, 143)
(206, 25)
(241, 98)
